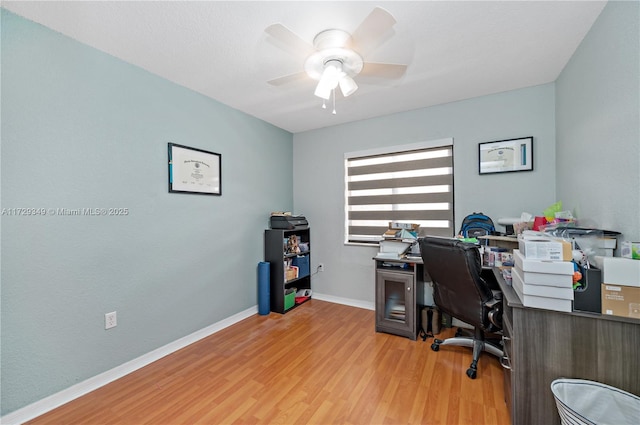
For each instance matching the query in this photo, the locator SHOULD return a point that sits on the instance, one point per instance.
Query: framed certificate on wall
(194, 170)
(505, 156)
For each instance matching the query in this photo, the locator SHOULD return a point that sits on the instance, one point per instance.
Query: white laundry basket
(588, 402)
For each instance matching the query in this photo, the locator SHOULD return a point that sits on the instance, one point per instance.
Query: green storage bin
(289, 300)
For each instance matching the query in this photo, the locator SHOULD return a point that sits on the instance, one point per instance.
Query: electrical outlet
(321, 267)
(110, 320)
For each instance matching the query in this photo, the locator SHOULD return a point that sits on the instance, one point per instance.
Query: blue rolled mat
(263, 288)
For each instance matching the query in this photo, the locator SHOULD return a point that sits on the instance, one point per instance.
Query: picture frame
(193, 170)
(505, 156)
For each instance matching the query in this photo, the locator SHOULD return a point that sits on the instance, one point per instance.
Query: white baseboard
(47, 404)
(346, 301)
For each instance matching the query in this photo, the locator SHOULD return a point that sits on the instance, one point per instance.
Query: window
(411, 184)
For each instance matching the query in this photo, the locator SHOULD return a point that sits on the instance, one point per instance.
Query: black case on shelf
(588, 299)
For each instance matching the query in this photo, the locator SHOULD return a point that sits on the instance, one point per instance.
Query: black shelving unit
(275, 252)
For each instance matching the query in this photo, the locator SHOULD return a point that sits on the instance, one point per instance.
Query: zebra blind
(412, 186)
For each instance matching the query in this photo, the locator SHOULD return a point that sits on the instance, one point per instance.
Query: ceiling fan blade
(288, 40)
(373, 30)
(291, 78)
(383, 70)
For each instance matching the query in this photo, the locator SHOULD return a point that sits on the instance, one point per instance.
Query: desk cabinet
(399, 296)
(542, 345)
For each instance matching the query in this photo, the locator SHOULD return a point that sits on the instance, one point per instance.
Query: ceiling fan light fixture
(336, 61)
(323, 92)
(329, 80)
(333, 64)
(347, 85)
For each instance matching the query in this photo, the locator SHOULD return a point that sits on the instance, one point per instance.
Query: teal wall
(598, 123)
(81, 129)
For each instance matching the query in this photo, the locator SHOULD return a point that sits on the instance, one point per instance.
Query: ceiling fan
(336, 57)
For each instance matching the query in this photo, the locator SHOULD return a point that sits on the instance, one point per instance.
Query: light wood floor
(321, 363)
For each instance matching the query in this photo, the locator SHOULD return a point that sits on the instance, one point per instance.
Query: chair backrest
(458, 288)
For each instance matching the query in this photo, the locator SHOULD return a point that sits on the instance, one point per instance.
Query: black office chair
(461, 291)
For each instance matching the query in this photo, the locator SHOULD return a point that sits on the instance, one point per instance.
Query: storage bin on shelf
(302, 262)
(289, 300)
(291, 273)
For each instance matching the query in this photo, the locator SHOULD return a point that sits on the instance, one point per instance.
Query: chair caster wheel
(435, 347)
(471, 373)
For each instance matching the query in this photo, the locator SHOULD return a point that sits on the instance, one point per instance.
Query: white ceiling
(455, 50)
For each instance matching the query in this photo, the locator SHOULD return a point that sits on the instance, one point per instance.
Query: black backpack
(476, 224)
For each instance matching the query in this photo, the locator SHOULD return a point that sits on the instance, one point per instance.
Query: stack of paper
(543, 284)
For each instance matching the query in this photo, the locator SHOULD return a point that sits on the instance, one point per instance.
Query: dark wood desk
(542, 345)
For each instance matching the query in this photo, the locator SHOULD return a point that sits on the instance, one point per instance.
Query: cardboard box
(565, 293)
(547, 279)
(621, 271)
(630, 249)
(545, 249)
(540, 266)
(535, 301)
(620, 300)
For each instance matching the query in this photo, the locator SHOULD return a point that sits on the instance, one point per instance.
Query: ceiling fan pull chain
(334, 101)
